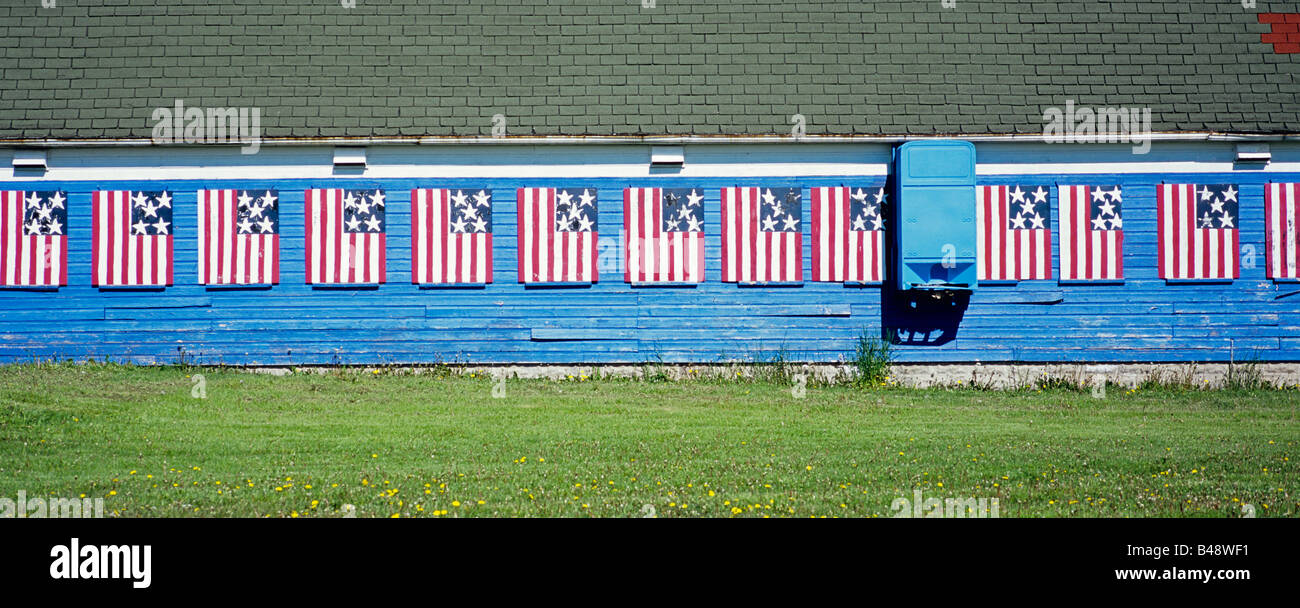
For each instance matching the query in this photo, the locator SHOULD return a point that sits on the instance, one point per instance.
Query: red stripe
(1161, 215)
(307, 232)
(815, 202)
(627, 235)
(6, 212)
(725, 216)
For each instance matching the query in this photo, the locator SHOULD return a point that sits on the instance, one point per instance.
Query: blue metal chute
(935, 199)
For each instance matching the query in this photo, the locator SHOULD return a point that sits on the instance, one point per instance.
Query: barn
(495, 182)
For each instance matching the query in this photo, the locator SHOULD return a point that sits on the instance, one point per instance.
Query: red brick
(1279, 28)
(1273, 38)
(1290, 47)
(1293, 37)
(1292, 17)
(1272, 17)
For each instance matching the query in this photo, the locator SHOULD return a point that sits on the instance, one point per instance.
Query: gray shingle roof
(611, 67)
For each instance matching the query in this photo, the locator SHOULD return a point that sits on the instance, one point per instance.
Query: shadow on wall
(920, 318)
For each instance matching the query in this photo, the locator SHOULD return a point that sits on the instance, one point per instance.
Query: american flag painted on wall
(1282, 218)
(33, 238)
(847, 228)
(557, 235)
(451, 236)
(239, 237)
(1092, 233)
(1197, 231)
(664, 235)
(132, 238)
(345, 236)
(1014, 233)
(762, 240)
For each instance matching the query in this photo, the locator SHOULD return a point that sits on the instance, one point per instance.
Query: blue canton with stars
(363, 211)
(257, 212)
(151, 213)
(1216, 206)
(45, 213)
(1027, 208)
(1104, 208)
(867, 209)
(471, 212)
(575, 209)
(779, 209)
(682, 210)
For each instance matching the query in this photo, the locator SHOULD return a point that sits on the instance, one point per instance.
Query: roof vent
(350, 158)
(31, 160)
(667, 156)
(1253, 153)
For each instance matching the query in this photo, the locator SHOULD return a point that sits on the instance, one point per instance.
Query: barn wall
(1142, 319)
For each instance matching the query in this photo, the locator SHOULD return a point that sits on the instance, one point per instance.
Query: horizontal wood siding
(1142, 319)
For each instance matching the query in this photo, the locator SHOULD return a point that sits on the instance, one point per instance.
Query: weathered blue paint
(1141, 319)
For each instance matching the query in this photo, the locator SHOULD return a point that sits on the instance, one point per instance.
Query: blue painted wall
(1143, 319)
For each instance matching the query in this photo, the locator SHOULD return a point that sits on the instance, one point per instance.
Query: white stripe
(14, 228)
(729, 230)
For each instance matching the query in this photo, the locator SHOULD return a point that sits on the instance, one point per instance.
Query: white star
(245, 201)
(55, 226)
(353, 223)
(139, 227)
(1098, 194)
(1106, 208)
(480, 225)
(1115, 223)
(880, 196)
(44, 212)
(482, 199)
(692, 224)
(165, 199)
(1099, 223)
(694, 198)
(586, 199)
(1226, 221)
(349, 201)
(584, 224)
(1206, 222)
(34, 227)
(1017, 195)
(565, 198)
(1205, 193)
(151, 211)
(769, 223)
(860, 223)
(776, 208)
(860, 195)
(791, 223)
(767, 196)
(459, 199)
(139, 199)
(869, 210)
(1114, 195)
(1037, 220)
(458, 225)
(32, 199)
(1230, 194)
(160, 227)
(56, 201)
(683, 212)
(470, 211)
(877, 223)
(1040, 195)
(363, 206)
(1018, 221)
(245, 227)
(1027, 207)
(266, 225)
(373, 223)
(1216, 206)
(377, 199)
(268, 199)
(673, 224)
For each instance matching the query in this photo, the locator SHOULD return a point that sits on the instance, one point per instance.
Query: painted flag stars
(762, 239)
(33, 238)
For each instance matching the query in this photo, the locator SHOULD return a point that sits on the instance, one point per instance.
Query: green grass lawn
(422, 445)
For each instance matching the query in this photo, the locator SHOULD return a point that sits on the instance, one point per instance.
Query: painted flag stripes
(1282, 216)
(451, 236)
(762, 241)
(664, 235)
(1014, 233)
(847, 234)
(132, 238)
(557, 235)
(239, 237)
(1092, 233)
(1197, 231)
(345, 236)
(33, 239)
